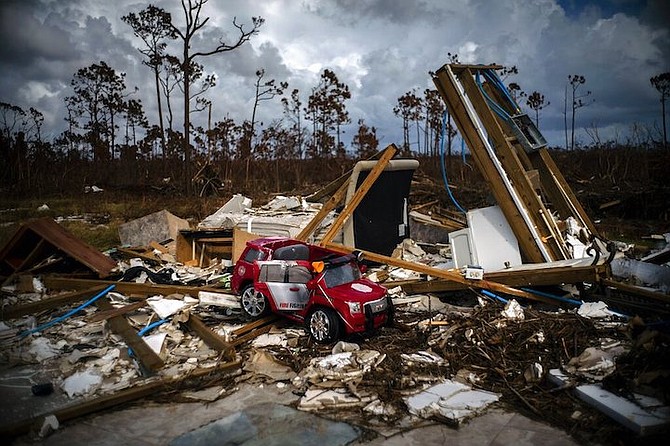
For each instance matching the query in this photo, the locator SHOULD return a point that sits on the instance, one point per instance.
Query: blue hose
(147, 329)
(68, 314)
(444, 169)
(150, 327)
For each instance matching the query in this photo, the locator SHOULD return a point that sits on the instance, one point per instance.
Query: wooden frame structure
(489, 122)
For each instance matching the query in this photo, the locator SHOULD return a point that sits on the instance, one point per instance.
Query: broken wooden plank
(255, 324)
(49, 303)
(107, 314)
(636, 290)
(515, 278)
(360, 193)
(210, 338)
(328, 206)
(37, 240)
(80, 409)
(119, 325)
(158, 247)
(449, 275)
(148, 256)
(146, 289)
(251, 335)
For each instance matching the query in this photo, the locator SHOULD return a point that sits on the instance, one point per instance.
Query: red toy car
(312, 285)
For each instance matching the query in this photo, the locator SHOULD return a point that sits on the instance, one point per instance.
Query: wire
(68, 314)
(444, 169)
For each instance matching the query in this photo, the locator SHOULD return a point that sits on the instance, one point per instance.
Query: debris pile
(87, 331)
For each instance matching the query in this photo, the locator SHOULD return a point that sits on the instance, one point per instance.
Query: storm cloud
(380, 48)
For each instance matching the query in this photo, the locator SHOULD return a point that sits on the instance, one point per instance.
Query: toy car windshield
(340, 274)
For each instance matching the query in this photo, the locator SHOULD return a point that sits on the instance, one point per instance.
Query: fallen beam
(637, 291)
(50, 303)
(251, 335)
(449, 275)
(328, 206)
(108, 314)
(514, 278)
(255, 324)
(145, 289)
(119, 325)
(360, 193)
(108, 401)
(253, 329)
(210, 338)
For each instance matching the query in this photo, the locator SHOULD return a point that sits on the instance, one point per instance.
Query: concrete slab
(261, 414)
(270, 424)
(641, 420)
(496, 427)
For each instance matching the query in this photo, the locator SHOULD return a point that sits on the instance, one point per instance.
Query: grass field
(95, 218)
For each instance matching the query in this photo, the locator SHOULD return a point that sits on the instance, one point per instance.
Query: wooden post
(360, 193)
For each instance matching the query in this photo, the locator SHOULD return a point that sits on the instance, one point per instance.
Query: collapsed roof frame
(508, 150)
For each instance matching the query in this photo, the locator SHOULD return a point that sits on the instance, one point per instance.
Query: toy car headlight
(354, 307)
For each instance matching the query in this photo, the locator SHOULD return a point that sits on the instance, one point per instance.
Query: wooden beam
(145, 289)
(251, 335)
(49, 303)
(530, 201)
(445, 84)
(210, 338)
(255, 324)
(637, 291)
(107, 314)
(149, 256)
(119, 325)
(514, 278)
(360, 194)
(80, 409)
(562, 194)
(449, 275)
(328, 206)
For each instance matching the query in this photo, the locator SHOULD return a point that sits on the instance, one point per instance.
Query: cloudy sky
(380, 48)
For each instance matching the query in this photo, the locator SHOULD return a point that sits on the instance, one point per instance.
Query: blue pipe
(553, 296)
(494, 296)
(68, 314)
(569, 301)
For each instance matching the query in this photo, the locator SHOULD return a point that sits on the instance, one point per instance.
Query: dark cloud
(25, 39)
(353, 12)
(380, 48)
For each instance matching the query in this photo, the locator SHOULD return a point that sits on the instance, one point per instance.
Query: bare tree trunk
(565, 116)
(160, 112)
(187, 120)
(665, 135)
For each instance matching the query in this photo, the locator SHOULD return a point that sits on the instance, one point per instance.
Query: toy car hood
(360, 290)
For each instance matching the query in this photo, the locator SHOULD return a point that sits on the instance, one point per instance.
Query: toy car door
(286, 282)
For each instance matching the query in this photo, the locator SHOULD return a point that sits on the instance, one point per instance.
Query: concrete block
(157, 227)
(651, 419)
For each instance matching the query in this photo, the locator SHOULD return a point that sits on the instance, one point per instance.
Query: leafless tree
(661, 82)
(194, 23)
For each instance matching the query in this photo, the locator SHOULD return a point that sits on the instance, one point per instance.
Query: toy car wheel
(254, 304)
(323, 325)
